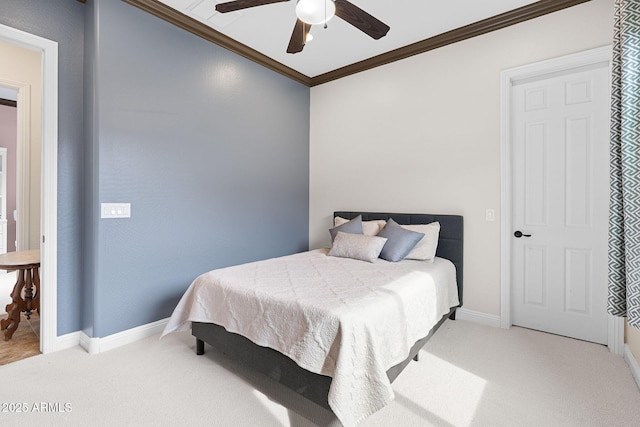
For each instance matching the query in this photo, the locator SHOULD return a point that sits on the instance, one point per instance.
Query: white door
(560, 194)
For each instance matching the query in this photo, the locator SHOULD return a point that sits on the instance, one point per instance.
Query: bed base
(275, 365)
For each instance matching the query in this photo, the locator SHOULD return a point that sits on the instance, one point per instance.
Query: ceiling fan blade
(232, 6)
(298, 37)
(361, 19)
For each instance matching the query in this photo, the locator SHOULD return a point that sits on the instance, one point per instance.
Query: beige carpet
(468, 375)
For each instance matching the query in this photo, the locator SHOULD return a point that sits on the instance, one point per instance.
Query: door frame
(48, 181)
(507, 79)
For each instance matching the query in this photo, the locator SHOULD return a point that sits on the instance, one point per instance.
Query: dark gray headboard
(450, 244)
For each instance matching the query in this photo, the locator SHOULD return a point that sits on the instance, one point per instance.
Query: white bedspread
(348, 319)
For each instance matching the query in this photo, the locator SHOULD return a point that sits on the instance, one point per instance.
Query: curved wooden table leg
(17, 306)
(26, 264)
(35, 304)
(28, 293)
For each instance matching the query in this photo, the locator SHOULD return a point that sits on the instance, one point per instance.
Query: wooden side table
(27, 264)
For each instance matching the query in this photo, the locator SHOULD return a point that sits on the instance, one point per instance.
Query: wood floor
(25, 342)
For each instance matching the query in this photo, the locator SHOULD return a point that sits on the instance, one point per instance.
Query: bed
(351, 334)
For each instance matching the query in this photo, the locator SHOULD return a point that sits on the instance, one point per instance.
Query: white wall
(423, 134)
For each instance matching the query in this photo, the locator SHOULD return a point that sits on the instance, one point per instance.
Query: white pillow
(357, 246)
(369, 228)
(425, 250)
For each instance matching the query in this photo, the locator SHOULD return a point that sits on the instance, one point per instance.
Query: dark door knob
(519, 234)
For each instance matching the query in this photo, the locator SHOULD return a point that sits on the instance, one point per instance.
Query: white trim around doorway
(49, 182)
(508, 77)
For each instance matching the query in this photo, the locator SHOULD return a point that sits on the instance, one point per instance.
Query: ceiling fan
(313, 12)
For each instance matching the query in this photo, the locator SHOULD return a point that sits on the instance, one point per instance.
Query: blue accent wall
(63, 21)
(210, 149)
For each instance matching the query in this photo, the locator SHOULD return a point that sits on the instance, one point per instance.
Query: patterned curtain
(624, 205)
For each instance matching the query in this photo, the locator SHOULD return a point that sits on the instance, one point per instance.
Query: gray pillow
(352, 227)
(400, 241)
(357, 246)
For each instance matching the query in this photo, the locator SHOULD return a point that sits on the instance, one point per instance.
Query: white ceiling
(268, 28)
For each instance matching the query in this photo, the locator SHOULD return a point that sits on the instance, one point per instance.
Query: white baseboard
(477, 317)
(100, 345)
(64, 342)
(91, 345)
(132, 335)
(633, 364)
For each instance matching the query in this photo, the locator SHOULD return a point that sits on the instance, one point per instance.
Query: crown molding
(485, 26)
(479, 28)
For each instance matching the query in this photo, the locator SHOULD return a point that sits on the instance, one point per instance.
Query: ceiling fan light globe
(315, 12)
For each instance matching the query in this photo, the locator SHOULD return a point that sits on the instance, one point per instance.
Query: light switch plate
(490, 215)
(115, 210)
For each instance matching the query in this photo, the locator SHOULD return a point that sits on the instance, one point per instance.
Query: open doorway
(45, 156)
(20, 134)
